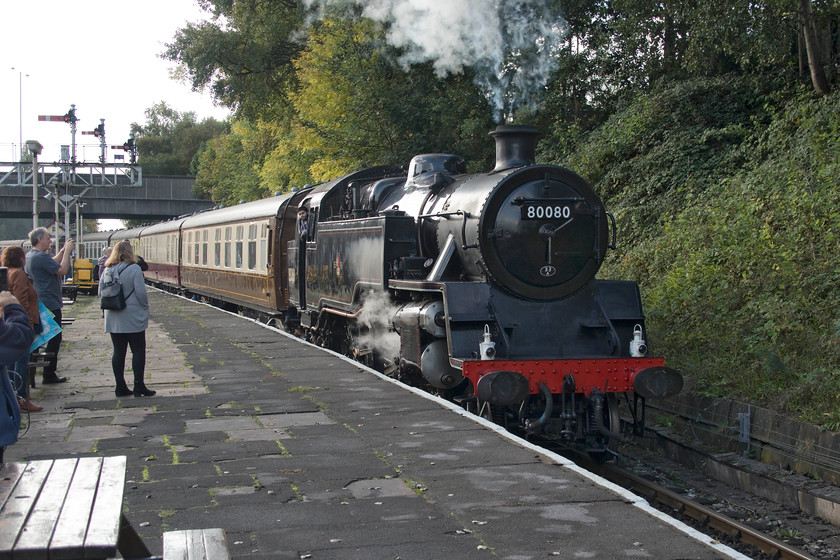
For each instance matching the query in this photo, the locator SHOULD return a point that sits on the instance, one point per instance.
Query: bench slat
(69, 536)
(23, 491)
(9, 476)
(42, 519)
(196, 544)
(104, 525)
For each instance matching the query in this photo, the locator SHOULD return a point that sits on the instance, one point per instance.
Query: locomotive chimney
(515, 145)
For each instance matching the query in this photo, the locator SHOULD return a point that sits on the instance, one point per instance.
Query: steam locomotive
(478, 287)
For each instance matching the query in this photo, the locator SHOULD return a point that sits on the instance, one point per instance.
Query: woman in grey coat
(128, 326)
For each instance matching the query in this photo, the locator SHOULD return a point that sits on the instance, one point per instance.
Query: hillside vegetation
(728, 206)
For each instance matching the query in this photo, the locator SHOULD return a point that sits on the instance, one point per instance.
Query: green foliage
(752, 288)
(243, 54)
(229, 166)
(169, 140)
(620, 49)
(728, 213)
(286, 165)
(664, 147)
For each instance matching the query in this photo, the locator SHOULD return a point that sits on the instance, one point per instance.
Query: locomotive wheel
(612, 422)
(495, 414)
(607, 446)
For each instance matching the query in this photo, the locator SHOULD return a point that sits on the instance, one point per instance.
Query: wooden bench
(69, 292)
(37, 360)
(67, 321)
(195, 544)
(66, 508)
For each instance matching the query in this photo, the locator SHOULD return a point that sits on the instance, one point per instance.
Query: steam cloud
(511, 44)
(378, 313)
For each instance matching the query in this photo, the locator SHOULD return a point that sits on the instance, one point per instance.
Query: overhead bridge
(107, 191)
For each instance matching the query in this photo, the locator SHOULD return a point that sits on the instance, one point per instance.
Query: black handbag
(110, 294)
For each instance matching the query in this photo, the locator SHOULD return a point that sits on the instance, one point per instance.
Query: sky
(102, 56)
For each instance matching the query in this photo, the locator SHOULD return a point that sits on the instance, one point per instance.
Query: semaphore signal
(129, 147)
(99, 131)
(71, 119)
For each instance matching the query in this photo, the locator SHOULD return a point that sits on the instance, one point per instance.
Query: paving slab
(299, 453)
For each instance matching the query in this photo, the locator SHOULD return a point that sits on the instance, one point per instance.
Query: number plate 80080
(546, 211)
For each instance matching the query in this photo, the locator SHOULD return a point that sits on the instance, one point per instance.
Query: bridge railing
(19, 174)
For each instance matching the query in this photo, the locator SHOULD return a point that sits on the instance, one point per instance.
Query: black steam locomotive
(478, 287)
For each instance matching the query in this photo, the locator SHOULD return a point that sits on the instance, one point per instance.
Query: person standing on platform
(13, 258)
(15, 338)
(100, 268)
(46, 273)
(127, 327)
(106, 252)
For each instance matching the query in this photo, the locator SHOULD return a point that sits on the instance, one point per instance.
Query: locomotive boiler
(480, 287)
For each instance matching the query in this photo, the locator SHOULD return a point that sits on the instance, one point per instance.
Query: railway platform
(298, 453)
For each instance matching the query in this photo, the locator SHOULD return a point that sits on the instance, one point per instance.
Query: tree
(357, 106)
(169, 140)
(813, 48)
(229, 165)
(244, 55)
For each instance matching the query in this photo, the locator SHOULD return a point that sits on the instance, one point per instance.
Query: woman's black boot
(122, 389)
(140, 390)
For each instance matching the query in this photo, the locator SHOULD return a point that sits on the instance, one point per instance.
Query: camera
(4, 278)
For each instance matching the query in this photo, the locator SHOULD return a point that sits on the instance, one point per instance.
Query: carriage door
(272, 289)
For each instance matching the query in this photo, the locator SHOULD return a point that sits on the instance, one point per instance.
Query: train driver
(303, 223)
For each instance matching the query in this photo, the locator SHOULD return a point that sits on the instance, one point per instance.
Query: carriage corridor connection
(298, 453)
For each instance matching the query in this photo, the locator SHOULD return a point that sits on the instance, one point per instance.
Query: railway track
(701, 517)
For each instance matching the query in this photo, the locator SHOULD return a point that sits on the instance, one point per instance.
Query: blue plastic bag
(50, 328)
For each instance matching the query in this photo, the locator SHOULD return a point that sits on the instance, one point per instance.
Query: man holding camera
(46, 273)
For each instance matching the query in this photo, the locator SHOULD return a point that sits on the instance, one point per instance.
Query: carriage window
(252, 247)
(204, 247)
(240, 231)
(227, 247)
(196, 248)
(218, 247)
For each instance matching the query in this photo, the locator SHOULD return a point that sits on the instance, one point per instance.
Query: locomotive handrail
(442, 214)
(520, 200)
(611, 245)
(464, 233)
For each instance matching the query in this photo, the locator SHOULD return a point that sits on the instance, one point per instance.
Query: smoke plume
(511, 44)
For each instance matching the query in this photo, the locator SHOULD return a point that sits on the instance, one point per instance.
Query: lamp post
(20, 111)
(35, 148)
